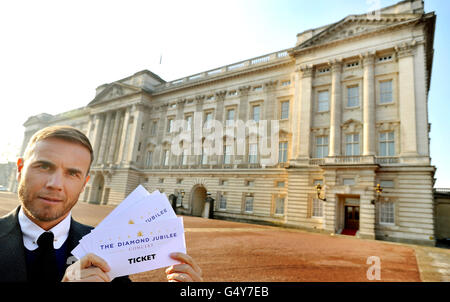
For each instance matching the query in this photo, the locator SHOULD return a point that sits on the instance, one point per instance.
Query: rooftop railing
(276, 56)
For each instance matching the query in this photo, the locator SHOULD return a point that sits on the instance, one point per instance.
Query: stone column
(335, 110)
(112, 146)
(305, 117)
(123, 138)
(104, 139)
(135, 132)
(97, 135)
(407, 100)
(369, 112)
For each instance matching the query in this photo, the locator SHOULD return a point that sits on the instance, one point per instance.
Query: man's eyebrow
(40, 162)
(74, 170)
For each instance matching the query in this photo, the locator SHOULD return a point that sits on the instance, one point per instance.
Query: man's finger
(186, 269)
(92, 272)
(186, 259)
(94, 260)
(179, 277)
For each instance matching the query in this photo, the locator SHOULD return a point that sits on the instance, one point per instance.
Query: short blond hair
(67, 133)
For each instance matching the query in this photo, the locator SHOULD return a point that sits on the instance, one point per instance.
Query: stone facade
(349, 107)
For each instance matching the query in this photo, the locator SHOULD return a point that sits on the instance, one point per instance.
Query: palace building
(345, 108)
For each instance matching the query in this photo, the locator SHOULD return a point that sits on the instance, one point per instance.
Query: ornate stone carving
(220, 95)
(270, 85)
(368, 58)
(305, 70)
(243, 90)
(405, 49)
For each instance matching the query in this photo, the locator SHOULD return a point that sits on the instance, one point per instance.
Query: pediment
(43, 117)
(114, 91)
(354, 26)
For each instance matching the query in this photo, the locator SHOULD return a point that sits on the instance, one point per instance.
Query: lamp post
(182, 196)
(319, 189)
(378, 191)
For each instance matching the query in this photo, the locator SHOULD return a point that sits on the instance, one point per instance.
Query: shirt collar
(32, 231)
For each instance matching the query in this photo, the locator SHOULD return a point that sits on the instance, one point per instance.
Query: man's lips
(51, 199)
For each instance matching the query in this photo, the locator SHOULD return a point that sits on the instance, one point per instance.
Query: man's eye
(44, 166)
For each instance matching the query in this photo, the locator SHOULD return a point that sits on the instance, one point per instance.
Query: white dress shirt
(32, 231)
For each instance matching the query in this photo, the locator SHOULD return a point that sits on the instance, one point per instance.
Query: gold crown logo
(131, 222)
(140, 234)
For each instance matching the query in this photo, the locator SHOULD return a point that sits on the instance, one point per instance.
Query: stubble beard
(44, 213)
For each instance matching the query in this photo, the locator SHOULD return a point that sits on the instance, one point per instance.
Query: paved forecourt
(231, 251)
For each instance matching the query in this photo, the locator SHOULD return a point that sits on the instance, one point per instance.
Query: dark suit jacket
(12, 251)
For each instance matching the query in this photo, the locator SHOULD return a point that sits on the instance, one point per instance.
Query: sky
(53, 54)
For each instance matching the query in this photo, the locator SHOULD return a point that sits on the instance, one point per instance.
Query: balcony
(354, 160)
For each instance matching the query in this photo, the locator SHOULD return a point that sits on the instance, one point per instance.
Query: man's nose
(56, 180)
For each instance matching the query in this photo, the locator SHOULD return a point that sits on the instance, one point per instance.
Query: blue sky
(55, 53)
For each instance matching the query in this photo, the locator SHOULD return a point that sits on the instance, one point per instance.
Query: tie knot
(46, 240)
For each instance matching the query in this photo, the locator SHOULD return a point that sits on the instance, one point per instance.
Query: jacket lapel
(12, 251)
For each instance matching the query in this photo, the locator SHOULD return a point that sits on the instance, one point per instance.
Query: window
(387, 212)
(257, 88)
(279, 205)
(223, 201)
(256, 113)
(317, 208)
(169, 125)
(349, 181)
(179, 181)
(387, 183)
(183, 158)
(148, 161)
(204, 156)
(189, 122)
(248, 203)
(280, 184)
(317, 182)
(230, 117)
(284, 110)
(353, 96)
(282, 152)
(352, 144)
(386, 92)
(208, 120)
(161, 180)
(166, 158)
(321, 146)
(352, 64)
(385, 58)
(223, 182)
(250, 183)
(323, 101)
(233, 92)
(253, 153)
(286, 83)
(154, 125)
(387, 144)
(227, 154)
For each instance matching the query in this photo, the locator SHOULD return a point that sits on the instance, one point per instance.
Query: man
(37, 237)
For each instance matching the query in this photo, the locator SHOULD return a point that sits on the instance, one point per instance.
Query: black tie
(44, 267)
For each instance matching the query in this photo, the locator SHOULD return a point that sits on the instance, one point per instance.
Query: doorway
(351, 217)
(198, 201)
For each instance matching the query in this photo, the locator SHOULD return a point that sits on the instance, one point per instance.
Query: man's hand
(187, 271)
(90, 268)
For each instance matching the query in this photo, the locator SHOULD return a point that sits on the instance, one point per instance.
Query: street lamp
(318, 189)
(378, 191)
(182, 196)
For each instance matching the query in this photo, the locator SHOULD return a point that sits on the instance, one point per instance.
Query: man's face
(51, 180)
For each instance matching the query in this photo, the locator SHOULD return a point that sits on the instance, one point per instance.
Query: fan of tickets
(137, 236)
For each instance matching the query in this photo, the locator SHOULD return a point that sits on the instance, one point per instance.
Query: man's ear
(19, 163)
